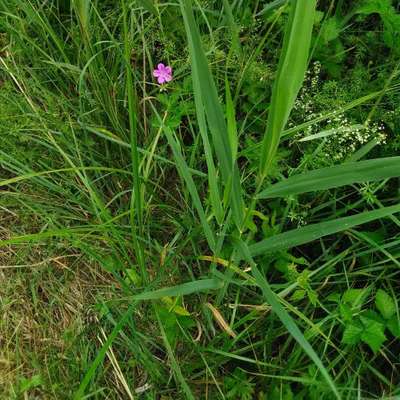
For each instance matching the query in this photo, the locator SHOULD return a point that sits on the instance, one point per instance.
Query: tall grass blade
(336, 176)
(136, 207)
(207, 94)
(291, 71)
(233, 27)
(215, 196)
(231, 120)
(309, 233)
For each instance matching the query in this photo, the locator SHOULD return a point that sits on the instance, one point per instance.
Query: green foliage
(239, 386)
(368, 326)
(251, 183)
(390, 19)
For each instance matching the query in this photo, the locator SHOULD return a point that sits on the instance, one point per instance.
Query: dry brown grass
(46, 305)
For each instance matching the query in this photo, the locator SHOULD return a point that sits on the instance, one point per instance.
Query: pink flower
(163, 73)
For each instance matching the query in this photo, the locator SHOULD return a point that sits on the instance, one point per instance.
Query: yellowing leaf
(174, 307)
(221, 321)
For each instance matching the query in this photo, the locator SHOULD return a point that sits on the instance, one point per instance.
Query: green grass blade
(180, 290)
(102, 353)
(206, 91)
(174, 363)
(191, 186)
(330, 132)
(231, 120)
(309, 233)
(271, 6)
(336, 176)
(136, 207)
(272, 298)
(215, 196)
(291, 71)
(233, 27)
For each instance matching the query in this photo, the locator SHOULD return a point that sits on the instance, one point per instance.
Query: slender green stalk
(136, 200)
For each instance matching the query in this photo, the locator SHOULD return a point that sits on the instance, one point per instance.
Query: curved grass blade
(309, 233)
(336, 176)
(290, 76)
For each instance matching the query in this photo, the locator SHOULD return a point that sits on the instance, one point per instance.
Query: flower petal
(161, 79)
(168, 70)
(168, 78)
(160, 66)
(156, 73)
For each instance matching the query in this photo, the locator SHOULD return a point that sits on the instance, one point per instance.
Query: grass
(232, 234)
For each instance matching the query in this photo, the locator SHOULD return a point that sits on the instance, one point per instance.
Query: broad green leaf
(330, 30)
(133, 276)
(334, 297)
(82, 10)
(309, 233)
(374, 7)
(345, 312)
(336, 176)
(352, 333)
(355, 298)
(215, 196)
(27, 384)
(291, 70)
(373, 334)
(385, 304)
(298, 294)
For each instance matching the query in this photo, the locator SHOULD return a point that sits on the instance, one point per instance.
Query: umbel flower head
(163, 73)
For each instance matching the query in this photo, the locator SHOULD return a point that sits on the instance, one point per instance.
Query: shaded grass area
(151, 245)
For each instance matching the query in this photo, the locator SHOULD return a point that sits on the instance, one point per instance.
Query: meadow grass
(232, 234)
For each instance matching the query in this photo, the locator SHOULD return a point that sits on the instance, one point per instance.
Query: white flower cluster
(349, 138)
(343, 137)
